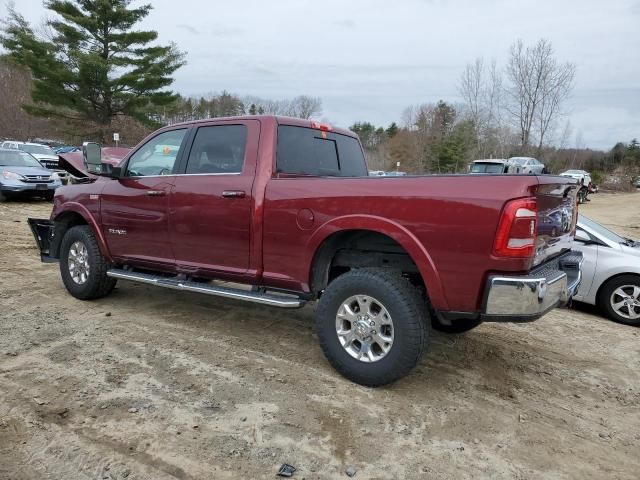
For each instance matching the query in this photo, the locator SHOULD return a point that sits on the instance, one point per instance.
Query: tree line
(88, 72)
(226, 104)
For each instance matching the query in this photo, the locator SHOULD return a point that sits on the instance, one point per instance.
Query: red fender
(397, 232)
(91, 221)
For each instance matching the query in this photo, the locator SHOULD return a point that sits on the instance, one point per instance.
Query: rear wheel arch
(608, 281)
(398, 242)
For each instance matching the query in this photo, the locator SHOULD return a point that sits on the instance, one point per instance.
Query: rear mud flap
(43, 232)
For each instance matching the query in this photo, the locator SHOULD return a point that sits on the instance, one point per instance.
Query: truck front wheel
(373, 325)
(82, 266)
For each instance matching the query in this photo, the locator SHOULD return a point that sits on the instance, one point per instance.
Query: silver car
(527, 165)
(610, 272)
(22, 174)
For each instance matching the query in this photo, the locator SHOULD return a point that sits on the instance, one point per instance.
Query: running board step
(236, 294)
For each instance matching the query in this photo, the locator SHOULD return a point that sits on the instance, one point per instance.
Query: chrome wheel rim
(365, 328)
(78, 263)
(625, 301)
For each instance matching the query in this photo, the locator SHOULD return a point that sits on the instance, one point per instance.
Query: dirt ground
(156, 384)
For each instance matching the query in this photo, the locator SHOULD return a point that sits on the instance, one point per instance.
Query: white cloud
(369, 59)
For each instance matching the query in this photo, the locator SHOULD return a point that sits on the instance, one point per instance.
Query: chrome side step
(281, 301)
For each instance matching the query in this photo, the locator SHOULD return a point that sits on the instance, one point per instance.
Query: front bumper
(44, 233)
(20, 187)
(528, 297)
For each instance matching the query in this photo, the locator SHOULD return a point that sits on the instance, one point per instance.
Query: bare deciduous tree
(305, 107)
(538, 85)
(302, 106)
(471, 87)
(481, 89)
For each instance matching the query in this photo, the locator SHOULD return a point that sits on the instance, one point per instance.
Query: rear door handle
(233, 194)
(156, 193)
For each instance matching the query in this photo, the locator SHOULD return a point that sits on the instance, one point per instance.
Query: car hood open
(74, 164)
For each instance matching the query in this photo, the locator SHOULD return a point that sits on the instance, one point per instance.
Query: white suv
(583, 177)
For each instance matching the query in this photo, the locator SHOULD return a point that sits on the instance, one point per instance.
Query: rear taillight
(516, 236)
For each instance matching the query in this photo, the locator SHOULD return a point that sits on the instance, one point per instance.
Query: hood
(74, 163)
(41, 156)
(28, 170)
(631, 250)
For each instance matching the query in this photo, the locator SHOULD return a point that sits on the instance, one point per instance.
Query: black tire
(457, 326)
(411, 324)
(604, 298)
(97, 284)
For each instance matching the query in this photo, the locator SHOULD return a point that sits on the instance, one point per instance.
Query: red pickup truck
(281, 211)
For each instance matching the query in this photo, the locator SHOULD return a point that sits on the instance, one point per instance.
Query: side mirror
(92, 157)
(583, 236)
(108, 170)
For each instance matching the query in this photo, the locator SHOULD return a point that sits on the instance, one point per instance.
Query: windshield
(487, 168)
(16, 158)
(37, 149)
(600, 230)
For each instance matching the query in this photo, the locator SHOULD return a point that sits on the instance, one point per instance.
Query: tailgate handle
(156, 193)
(233, 194)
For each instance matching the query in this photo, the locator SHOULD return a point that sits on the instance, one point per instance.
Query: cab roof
(278, 119)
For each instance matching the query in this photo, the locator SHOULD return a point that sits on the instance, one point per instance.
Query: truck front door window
(157, 156)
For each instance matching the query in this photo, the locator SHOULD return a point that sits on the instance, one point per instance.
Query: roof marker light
(321, 126)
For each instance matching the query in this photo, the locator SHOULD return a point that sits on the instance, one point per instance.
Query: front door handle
(156, 193)
(233, 194)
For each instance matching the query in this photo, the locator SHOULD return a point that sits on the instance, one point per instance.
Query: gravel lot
(155, 384)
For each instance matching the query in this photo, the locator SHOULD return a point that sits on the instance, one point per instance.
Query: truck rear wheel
(373, 325)
(82, 266)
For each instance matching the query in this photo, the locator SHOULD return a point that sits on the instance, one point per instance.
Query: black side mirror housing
(108, 170)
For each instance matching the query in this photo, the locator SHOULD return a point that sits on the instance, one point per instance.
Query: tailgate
(557, 216)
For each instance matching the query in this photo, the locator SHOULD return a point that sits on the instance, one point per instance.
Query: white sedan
(610, 272)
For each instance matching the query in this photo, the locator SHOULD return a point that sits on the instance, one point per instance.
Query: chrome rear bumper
(528, 297)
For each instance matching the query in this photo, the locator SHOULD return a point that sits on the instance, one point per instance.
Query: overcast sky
(370, 59)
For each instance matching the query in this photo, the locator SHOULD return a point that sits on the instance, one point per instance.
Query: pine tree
(392, 129)
(95, 66)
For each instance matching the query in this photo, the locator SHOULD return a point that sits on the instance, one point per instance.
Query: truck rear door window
(308, 151)
(218, 149)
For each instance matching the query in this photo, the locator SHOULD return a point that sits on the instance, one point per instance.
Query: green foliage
(370, 136)
(95, 66)
(451, 151)
(597, 176)
(392, 130)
